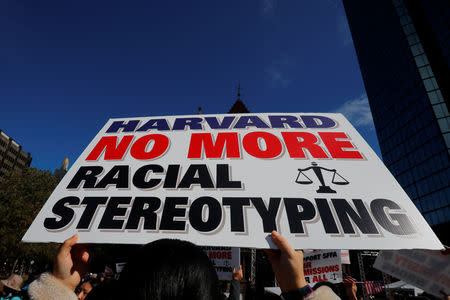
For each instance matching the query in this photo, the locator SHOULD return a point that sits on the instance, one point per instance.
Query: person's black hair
(169, 269)
(103, 291)
(93, 282)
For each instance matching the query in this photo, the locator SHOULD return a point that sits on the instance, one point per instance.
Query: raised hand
(287, 264)
(350, 287)
(71, 263)
(237, 274)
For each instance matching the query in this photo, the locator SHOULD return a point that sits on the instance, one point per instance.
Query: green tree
(21, 197)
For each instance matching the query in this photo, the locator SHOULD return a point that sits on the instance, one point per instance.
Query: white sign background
(368, 179)
(322, 265)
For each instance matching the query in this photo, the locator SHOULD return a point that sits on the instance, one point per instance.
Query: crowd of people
(168, 269)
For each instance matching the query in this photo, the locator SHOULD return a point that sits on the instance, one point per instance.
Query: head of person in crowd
(104, 291)
(12, 285)
(85, 288)
(169, 269)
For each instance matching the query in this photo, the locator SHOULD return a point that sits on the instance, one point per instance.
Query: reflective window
(408, 29)
(405, 20)
(444, 124)
(435, 97)
(447, 139)
(413, 39)
(421, 60)
(440, 110)
(427, 218)
(414, 136)
(417, 49)
(430, 84)
(441, 216)
(434, 219)
(417, 204)
(425, 72)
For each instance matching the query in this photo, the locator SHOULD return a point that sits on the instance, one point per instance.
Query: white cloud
(278, 71)
(357, 111)
(278, 78)
(343, 30)
(268, 7)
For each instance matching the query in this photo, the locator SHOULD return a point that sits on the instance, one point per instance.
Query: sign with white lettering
(120, 266)
(322, 265)
(229, 180)
(224, 259)
(425, 269)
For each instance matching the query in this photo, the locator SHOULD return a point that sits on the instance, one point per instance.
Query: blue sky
(66, 67)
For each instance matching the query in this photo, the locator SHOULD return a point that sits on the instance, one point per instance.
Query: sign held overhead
(224, 260)
(322, 265)
(229, 180)
(428, 270)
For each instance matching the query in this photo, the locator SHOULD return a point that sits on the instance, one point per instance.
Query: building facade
(403, 48)
(12, 157)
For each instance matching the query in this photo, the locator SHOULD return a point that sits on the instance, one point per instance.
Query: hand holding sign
(287, 264)
(237, 274)
(350, 287)
(71, 263)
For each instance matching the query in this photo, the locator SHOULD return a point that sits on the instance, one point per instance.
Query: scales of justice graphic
(337, 179)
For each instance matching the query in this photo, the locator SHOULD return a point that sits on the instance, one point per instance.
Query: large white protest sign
(224, 259)
(229, 180)
(425, 269)
(322, 265)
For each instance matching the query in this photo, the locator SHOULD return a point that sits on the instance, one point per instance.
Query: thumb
(282, 243)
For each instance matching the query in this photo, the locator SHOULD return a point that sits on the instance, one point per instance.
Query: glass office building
(403, 48)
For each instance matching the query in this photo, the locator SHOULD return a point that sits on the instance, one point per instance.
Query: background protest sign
(229, 180)
(120, 266)
(428, 270)
(322, 265)
(224, 259)
(345, 257)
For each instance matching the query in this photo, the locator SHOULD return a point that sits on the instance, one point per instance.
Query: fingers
(68, 244)
(81, 253)
(70, 247)
(70, 241)
(282, 243)
(85, 256)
